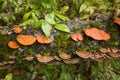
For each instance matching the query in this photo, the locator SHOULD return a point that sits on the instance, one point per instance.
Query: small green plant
(51, 20)
(8, 77)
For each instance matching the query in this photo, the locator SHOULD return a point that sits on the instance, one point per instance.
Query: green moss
(61, 40)
(75, 28)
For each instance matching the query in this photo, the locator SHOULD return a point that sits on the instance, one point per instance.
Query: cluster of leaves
(48, 13)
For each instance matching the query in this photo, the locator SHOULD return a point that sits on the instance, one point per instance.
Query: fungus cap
(97, 34)
(12, 56)
(105, 50)
(26, 39)
(57, 58)
(76, 36)
(105, 36)
(43, 39)
(28, 58)
(114, 50)
(65, 56)
(13, 45)
(117, 20)
(17, 29)
(45, 59)
(71, 61)
(114, 55)
(83, 54)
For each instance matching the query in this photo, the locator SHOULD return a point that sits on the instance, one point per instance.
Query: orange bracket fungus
(26, 39)
(43, 39)
(117, 20)
(17, 29)
(65, 56)
(97, 34)
(13, 45)
(76, 37)
(83, 54)
(44, 59)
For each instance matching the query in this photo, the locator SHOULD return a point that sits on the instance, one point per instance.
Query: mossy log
(62, 43)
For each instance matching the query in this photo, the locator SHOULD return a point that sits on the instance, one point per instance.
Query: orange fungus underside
(26, 39)
(13, 45)
(43, 39)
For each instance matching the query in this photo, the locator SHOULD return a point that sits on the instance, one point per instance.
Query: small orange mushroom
(17, 29)
(43, 39)
(97, 34)
(26, 39)
(76, 37)
(13, 45)
(83, 54)
(65, 56)
(117, 20)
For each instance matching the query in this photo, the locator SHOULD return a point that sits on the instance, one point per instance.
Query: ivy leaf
(46, 28)
(37, 24)
(62, 27)
(50, 18)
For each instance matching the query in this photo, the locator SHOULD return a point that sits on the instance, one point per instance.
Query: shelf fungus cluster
(95, 33)
(27, 40)
(104, 53)
(67, 58)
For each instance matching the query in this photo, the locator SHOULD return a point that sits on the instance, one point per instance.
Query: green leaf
(50, 18)
(46, 28)
(4, 4)
(34, 16)
(62, 27)
(8, 76)
(83, 6)
(30, 21)
(61, 16)
(84, 16)
(26, 16)
(64, 9)
(37, 24)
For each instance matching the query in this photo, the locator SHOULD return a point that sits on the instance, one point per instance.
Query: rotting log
(62, 43)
